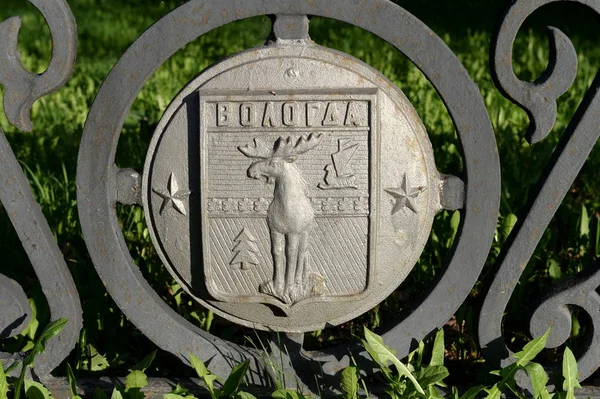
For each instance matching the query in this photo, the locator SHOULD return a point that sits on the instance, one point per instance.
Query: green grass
(108, 27)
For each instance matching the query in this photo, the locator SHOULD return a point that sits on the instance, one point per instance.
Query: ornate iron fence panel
(291, 187)
(21, 90)
(538, 99)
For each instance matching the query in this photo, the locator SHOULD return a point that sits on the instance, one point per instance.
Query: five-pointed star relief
(405, 195)
(174, 197)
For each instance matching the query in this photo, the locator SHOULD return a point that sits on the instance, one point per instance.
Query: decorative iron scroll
(22, 89)
(101, 184)
(100, 188)
(539, 100)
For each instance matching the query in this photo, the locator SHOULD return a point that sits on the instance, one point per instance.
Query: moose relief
(290, 215)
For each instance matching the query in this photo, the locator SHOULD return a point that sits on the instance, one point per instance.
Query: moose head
(272, 163)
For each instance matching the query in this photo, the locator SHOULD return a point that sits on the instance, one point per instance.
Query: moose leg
(302, 256)
(277, 249)
(291, 255)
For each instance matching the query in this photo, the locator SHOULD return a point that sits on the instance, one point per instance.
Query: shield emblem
(286, 198)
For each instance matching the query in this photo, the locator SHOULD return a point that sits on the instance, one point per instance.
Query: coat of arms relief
(288, 196)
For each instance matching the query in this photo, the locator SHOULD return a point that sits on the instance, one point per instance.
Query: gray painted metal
(97, 173)
(16, 312)
(476, 193)
(539, 100)
(22, 89)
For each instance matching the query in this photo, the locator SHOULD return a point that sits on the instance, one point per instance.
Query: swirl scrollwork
(22, 89)
(556, 311)
(538, 99)
(16, 312)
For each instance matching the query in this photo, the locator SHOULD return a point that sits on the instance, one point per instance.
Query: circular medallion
(290, 187)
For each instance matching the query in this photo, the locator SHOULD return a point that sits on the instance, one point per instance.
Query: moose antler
(260, 150)
(286, 147)
(282, 147)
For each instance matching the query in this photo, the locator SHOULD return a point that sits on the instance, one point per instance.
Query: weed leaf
(539, 380)
(532, 349)
(177, 396)
(3, 383)
(135, 380)
(472, 393)
(287, 394)
(35, 390)
(145, 363)
(208, 377)
(116, 394)
(209, 380)
(554, 269)
(508, 376)
(512, 386)
(431, 375)
(232, 384)
(244, 395)
(50, 332)
(181, 392)
(415, 358)
(350, 382)
(569, 369)
(584, 227)
(13, 366)
(100, 394)
(72, 381)
(437, 353)
(199, 366)
(91, 359)
(382, 354)
(493, 392)
(454, 225)
(507, 225)
(34, 393)
(432, 393)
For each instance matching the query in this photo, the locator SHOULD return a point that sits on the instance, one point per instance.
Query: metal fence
(261, 254)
